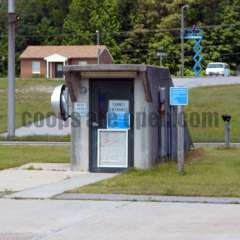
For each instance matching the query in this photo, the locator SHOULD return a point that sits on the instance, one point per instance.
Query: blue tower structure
(197, 35)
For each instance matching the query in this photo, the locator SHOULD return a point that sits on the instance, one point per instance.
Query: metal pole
(161, 60)
(11, 67)
(182, 42)
(98, 49)
(180, 139)
(227, 131)
(182, 39)
(162, 91)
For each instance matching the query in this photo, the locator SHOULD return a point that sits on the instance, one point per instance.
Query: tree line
(133, 30)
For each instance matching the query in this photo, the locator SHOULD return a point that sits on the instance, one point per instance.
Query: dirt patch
(196, 154)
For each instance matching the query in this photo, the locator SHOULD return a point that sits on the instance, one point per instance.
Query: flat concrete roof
(108, 68)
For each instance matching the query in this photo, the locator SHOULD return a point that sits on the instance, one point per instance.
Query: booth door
(111, 142)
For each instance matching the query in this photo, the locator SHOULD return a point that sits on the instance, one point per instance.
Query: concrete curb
(215, 145)
(146, 198)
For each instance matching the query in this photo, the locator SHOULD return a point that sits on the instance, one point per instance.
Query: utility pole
(180, 139)
(11, 67)
(182, 38)
(179, 99)
(161, 55)
(98, 47)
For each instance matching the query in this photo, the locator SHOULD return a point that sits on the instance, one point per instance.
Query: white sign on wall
(112, 148)
(81, 108)
(116, 106)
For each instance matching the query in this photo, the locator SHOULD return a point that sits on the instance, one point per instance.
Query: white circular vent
(60, 102)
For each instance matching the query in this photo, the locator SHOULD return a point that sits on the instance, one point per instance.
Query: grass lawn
(217, 100)
(15, 156)
(32, 96)
(209, 172)
(37, 138)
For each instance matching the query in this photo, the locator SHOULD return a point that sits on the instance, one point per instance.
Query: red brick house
(48, 61)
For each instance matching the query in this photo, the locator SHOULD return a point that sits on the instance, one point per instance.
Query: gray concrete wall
(146, 134)
(140, 143)
(80, 132)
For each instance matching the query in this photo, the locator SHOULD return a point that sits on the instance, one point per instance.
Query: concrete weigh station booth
(120, 116)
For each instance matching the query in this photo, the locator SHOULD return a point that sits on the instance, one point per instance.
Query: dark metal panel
(115, 89)
(161, 77)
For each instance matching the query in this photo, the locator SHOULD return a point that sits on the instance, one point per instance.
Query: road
(205, 81)
(47, 127)
(90, 220)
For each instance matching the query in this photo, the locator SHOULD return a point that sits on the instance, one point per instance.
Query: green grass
(209, 172)
(15, 156)
(36, 138)
(216, 99)
(32, 96)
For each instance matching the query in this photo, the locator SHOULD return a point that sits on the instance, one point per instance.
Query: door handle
(95, 124)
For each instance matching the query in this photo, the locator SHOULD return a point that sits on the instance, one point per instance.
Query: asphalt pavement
(91, 220)
(192, 82)
(47, 127)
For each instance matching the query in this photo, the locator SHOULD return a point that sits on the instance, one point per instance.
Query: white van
(218, 69)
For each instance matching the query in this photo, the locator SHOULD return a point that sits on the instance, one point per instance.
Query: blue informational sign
(178, 96)
(118, 120)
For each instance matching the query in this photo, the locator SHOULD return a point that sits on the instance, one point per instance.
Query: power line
(231, 54)
(138, 31)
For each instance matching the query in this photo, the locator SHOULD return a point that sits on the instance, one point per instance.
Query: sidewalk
(33, 175)
(50, 190)
(44, 180)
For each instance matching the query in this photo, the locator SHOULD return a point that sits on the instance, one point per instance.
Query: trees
(221, 27)
(133, 30)
(41, 22)
(87, 16)
(3, 39)
(135, 47)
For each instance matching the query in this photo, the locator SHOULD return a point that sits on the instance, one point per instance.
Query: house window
(83, 63)
(36, 67)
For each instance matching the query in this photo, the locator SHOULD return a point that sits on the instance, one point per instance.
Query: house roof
(81, 51)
